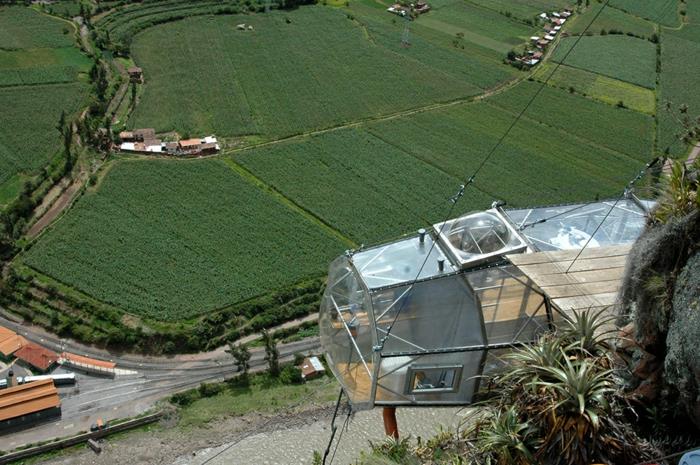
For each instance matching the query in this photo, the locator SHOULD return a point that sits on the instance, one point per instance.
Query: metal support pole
(391, 428)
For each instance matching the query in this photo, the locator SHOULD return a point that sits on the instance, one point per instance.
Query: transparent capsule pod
(417, 321)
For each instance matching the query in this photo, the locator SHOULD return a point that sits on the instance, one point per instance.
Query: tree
(61, 126)
(241, 354)
(272, 355)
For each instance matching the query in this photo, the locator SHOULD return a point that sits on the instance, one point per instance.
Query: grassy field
(320, 62)
(41, 74)
(172, 240)
(664, 12)
(607, 90)
(678, 83)
(616, 56)
(610, 19)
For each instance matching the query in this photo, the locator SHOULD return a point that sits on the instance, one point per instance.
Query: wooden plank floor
(593, 281)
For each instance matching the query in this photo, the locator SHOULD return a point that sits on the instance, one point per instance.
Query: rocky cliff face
(661, 299)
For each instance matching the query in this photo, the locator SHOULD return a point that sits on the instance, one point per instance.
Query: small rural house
(135, 74)
(311, 368)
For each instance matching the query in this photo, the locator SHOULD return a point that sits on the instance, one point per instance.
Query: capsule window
(424, 380)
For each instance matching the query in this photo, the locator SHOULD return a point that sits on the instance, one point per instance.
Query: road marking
(68, 426)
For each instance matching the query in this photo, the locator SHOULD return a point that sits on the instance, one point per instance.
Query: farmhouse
(137, 135)
(27, 404)
(144, 141)
(422, 7)
(37, 357)
(311, 368)
(135, 74)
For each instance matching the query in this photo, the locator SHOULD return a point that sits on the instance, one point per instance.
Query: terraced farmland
(174, 240)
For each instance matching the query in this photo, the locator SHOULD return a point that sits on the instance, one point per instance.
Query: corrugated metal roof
(28, 398)
(37, 356)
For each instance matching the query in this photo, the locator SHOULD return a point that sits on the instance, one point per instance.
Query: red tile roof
(37, 356)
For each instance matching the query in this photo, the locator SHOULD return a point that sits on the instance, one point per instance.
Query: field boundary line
(257, 182)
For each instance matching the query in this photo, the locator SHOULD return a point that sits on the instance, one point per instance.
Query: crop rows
(172, 240)
(659, 11)
(617, 56)
(625, 131)
(27, 124)
(136, 18)
(678, 84)
(35, 50)
(23, 28)
(611, 19)
(607, 90)
(283, 78)
(389, 179)
(40, 75)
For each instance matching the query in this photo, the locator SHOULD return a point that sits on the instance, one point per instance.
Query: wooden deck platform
(593, 281)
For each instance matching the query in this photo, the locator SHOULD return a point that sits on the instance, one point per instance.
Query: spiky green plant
(588, 331)
(679, 193)
(506, 438)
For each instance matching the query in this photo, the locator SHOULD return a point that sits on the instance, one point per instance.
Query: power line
(470, 179)
(623, 195)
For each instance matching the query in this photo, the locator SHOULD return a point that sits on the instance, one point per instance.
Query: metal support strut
(391, 428)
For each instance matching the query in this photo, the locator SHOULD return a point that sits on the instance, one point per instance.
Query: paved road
(125, 396)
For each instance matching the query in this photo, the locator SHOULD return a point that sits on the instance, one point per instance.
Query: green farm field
(617, 56)
(41, 74)
(172, 240)
(319, 70)
(678, 83)
(360, 140)
(610, 19)
(602, 88)
(664, 12)
(523, 9)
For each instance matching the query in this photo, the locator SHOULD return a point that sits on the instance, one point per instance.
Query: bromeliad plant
(557, 402)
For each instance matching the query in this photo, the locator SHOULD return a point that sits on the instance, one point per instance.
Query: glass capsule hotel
(418, 320)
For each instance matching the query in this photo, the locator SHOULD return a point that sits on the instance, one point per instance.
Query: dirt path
(64, 200)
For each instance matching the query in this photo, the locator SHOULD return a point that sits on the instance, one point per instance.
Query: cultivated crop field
(678, 83)
(617, 56)
(360, 138)
(173, 240)
(318, 70)
(602, 88)
(664, 12)
(41, 74)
